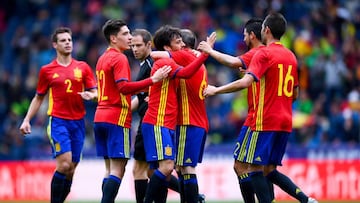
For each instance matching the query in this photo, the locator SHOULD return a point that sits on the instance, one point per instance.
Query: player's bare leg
(140, 173)
(111, 186)
(62, 178)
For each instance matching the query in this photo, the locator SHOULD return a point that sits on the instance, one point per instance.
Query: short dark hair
(276, 23)
(164, 35)
(59, 31)
(254, 25)
(188, 38)
(146, 35)
(112, 27)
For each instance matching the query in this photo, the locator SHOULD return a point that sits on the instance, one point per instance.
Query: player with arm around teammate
(160, 120)
(252, 38)
(192, 125)
(113, 113)
(141, 48)
(274, 68)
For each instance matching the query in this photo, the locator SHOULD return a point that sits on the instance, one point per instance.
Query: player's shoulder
(78, 62)
(53, 65)
(164, 61)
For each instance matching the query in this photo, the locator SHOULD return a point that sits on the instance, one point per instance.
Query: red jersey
(63, 84)
(275, 68)
(113, 106)
(246, 59)
(162, 106)
(191, 109)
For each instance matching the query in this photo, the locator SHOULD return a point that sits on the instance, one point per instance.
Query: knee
(140, 170)
(269, 169)
(65, 167)
(240, 168)
(188, 170)
(166, 167)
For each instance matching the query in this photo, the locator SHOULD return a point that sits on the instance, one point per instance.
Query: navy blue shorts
(265, 148)
(190, 143)
(66, 136)
(241, 141)
(159, 142)
(112, 141)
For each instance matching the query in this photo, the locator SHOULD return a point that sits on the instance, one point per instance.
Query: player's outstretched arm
(234, 86)
(225, 59)
(25, 127)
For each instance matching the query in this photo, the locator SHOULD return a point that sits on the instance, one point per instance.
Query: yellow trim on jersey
(184, 102)
(260, 110)
(48, 131)
(51, 102)
(158, 142)
(181, 146)
(124, 110)
(254, 91)
(162, 104)
(126, 132)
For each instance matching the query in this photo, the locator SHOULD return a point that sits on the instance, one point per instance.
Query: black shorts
(139, 149)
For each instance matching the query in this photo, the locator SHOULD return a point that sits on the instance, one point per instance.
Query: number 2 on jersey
(68, 83)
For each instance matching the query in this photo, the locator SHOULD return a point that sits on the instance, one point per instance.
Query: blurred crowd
(324, 35)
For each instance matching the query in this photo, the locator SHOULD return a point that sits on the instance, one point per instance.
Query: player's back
(162, 105)
(192, 109)
(277, 68)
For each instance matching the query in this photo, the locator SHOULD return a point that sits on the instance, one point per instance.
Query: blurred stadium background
(324, 34)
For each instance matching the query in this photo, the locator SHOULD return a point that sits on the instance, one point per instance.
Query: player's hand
(196, 52)
(211, 39)
(87, 95)
(242, 70)
(210, 90)
(25, 128)
(204, 47)
(161, 73)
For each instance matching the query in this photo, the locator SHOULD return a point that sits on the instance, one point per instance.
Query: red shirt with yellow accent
(246, 59)
(163, 104)
(63, 83)
(275, 69)
(113, 107)
(192, 109)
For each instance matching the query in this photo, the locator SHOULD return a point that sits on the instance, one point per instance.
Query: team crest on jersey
(168, 150)
(57, 147)
(77, 74)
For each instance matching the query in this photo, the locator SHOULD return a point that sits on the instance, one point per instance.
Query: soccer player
(113, 113)
(252, 38)
(192, 125)
(274, 68)
(160, 119)
(141, 48)
(67, 82)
